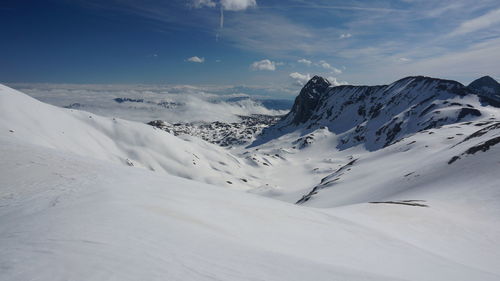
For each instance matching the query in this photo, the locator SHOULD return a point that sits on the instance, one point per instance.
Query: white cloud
(299, 78)
(271, 34)
(228, 5)
(183, 102)
(196, 59)
(305, 61)
(263, 65)
(237, 5)
(345, 35)
(404, 59)
(225, 5)
(335, 82)
(462, 65)
(203, 3)
(482, 22)
(328, 66)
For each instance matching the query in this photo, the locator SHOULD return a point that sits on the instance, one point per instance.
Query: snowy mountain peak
(486, 85)
(318, 80)
(484, 80)
(377, 116)
(308, 99)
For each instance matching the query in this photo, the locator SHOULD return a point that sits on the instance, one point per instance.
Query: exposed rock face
(308, 99)
(164, 104)
(378, 116)
(221, 133)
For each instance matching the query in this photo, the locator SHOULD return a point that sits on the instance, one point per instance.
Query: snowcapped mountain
(394, 182)
(378, 116)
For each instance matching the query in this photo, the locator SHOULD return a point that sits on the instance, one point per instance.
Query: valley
(396, 182)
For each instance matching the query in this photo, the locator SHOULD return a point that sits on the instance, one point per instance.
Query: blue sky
(259, 43)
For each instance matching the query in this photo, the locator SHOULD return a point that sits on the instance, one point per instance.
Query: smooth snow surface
(73, 208)
(65, 217)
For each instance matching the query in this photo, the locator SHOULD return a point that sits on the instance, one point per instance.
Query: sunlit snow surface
(72, 207)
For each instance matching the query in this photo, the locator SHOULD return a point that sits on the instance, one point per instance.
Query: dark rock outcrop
(308, 99)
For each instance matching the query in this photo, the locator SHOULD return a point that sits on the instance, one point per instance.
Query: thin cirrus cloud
(487, 20)
(196, 59)
(264, 65)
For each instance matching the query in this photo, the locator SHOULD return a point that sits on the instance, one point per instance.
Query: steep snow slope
(67, 217)
(23, 118)
(309, 170)
(452, 164)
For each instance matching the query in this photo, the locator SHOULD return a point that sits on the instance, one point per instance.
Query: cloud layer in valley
(146, 103)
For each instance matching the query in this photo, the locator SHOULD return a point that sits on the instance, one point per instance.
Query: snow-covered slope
(377, 116)
(23, 118)
(450, 164)
(424, 206)
(68, 217)
(410, 140)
